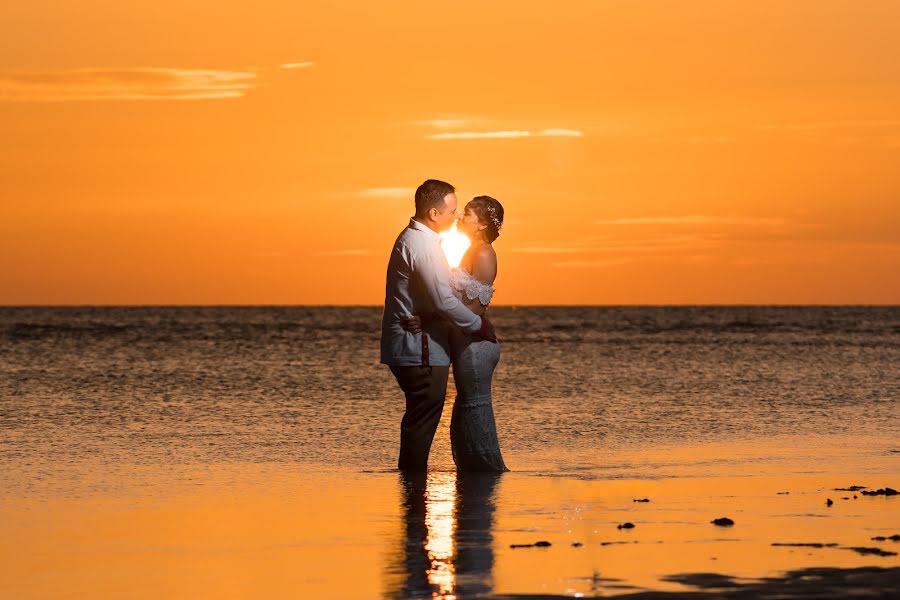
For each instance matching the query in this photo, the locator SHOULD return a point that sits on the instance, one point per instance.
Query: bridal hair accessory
(494, 220)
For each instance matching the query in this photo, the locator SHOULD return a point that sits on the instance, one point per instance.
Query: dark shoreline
(820, 583)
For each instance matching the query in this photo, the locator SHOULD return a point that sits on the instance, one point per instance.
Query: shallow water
(303, 385)
(249, 452)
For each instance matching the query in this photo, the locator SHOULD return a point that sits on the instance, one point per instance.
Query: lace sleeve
(482, 291)
(471, 287)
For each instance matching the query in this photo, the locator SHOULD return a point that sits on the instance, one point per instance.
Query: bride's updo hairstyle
(489, 212)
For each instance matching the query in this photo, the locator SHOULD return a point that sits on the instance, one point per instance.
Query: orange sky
(663, 152)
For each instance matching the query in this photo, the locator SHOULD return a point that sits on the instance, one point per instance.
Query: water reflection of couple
(434, 316)
(447, 547)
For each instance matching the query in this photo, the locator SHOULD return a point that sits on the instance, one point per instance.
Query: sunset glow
(643, 153)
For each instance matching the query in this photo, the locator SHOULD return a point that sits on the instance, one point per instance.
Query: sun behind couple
(434, 317)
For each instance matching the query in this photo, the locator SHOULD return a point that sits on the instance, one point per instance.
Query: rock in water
(625, 526)
(874, 551)
(723, 521)
(882, 492)
(540, 544)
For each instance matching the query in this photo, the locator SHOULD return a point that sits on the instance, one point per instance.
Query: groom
(418, 283)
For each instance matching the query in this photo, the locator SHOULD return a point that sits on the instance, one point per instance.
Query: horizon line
(326, 305)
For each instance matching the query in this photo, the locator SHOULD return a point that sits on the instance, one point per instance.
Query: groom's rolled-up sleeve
(435, 273)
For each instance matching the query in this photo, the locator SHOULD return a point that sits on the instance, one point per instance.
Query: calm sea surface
(250, 452)
(176, 385)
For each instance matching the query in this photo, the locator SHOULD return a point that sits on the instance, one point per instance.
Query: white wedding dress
(473, 431)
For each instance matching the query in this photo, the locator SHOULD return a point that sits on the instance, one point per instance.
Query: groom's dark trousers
(425, 389)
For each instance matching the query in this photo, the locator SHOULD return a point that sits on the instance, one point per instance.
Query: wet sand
(283, 530)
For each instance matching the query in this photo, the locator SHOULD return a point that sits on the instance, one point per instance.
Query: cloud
(815, 125)
(443, 122)
(132, 83)
(659, 245)
(135, 83)
(560, 133)
(843, 124)
(386, 193)
(694, 139)
(638, 248)
(699, 139)
(480, 135)
(346, 252)
(697, 220)
(547, 250)
(793, 259)
(592, 264)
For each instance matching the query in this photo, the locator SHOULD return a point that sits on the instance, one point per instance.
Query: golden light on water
(441, 525)
(455, 245)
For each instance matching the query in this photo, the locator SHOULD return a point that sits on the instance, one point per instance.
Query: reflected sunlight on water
(440, 524)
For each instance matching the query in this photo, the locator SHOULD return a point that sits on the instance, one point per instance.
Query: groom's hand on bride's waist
(413, 324)
(417, 323)
(487, 331)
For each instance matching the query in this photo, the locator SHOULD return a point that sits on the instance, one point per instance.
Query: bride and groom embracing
(434, 317)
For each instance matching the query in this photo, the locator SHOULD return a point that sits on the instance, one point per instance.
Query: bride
(473, 431)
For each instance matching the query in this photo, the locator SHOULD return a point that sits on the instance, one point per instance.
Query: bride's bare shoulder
(484, 263)
(485, 252)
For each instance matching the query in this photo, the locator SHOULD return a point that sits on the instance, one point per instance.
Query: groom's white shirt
(418, 282)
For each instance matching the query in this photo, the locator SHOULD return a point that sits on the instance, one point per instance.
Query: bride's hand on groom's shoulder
(412, 324)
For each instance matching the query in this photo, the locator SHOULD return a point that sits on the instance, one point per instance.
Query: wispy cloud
(478, 135)
(816, 125)
(592, 264)
(560, 133)
(386, 193)
(663, 245)
(741, 247)
(481, 135)
(138, 83)
(696, 220)
(699, 139)
(346, 252)
(844, 124)
(795, 258)
(298, 65)
(694, 139)
(443, 122)
(131, 83)
(657, 244)
(547, 250)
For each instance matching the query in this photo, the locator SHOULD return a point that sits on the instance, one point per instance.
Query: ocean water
(176, 385)
(250, 452)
